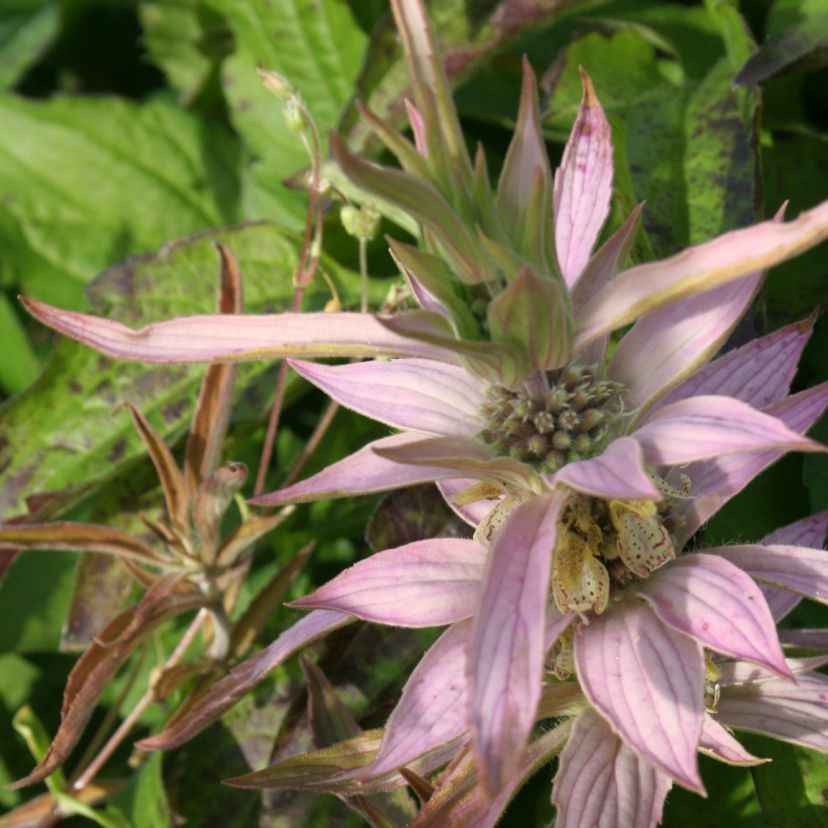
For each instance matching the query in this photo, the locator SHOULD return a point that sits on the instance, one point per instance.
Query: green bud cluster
(576, 419)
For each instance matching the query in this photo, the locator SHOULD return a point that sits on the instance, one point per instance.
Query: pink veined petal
(718, 743)
(617, 474)
(796, 713)
(462, 456)
(235, 337)
(810, 532)
(645, 288)
(714, 482)
(665, 346)
(809, 639)
(362, 472)
(601, 783)
(422, 584)
(733, 673)
(433, 707)
(703, 427)
(472, 513)
(583, 186)
(414, 394)
(795, 568)
(647, 681)
(713, 601)
(759, 373)
(556, 624)
(507, 648)
(228, 690)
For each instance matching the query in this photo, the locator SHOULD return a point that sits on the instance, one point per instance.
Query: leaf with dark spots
(468, 34)
(803, 46)
(67, 441)
(101, 662)
(412, 514)
(101, 588)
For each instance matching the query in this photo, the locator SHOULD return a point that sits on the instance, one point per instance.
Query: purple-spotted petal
(601, 783)
(665, 346)
(795, 713)
(719, 744)
(645, 288)
(795, 568)
(507, 650)
(232, 337)
(583, 186)
(415, 394)
(759, 373)
(703, 427)
(433, 707)
(713, 601)
(714, 482)
(647, 680)
(617, 474)
(422, 584)
(362, 472)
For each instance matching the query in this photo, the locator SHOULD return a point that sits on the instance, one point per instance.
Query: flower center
(576, 419)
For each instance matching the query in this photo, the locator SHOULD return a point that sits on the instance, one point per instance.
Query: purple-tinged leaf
(232, 338)
(212, 412)
(176, 495)
(717, 742)
(330, 719)
(459, 800)
(714, 482)
(362, 472)
(526, 158)
(699, 428)
(647, 680)
(666, 346)
(433, 707)
(459, 456)
(807, 639)
(422, 584)
(583, 186)
(78, 537)
(808, 531)
(601, 783)
(99, 664)
(507, 650)
(715, 602)
(796, 713)
(645, 288)
(744, 672)
(795, 568)
(415, 394)
(617, 474)
(228, 690)
(409, 156)
(533, 313)
(248, 533)
(759, 373)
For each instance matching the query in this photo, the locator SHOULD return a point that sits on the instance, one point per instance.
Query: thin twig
(310, 447)
(93, 768)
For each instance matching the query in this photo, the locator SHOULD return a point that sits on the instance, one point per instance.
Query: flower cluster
(585, 475)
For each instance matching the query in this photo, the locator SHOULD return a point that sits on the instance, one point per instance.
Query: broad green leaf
(27, 28)
(65, 435)
(317, 46)
(145, 799)
(19, 365)
(98, 179)
(187, 40)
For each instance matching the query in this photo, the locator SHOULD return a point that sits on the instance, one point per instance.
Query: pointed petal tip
(590, 98)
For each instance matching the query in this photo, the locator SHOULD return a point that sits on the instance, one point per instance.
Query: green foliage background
(134, 133)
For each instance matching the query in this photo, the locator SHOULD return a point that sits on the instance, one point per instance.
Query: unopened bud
(360, 222)
(294, 115)
(274, 82)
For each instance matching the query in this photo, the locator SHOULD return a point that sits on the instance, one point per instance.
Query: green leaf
(145, 799)
(27, 28)
(64, 436)
(19, 365)
(187, 40)
(317, 46)
(98, 179)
